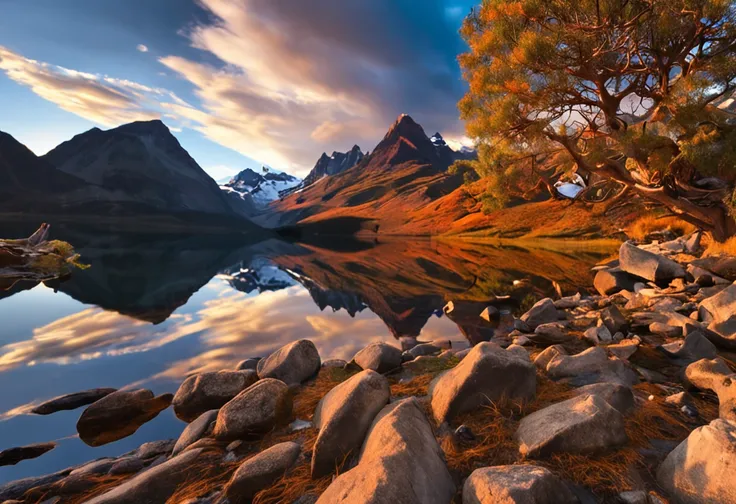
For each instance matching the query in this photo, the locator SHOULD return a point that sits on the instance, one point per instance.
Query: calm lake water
(152, 310)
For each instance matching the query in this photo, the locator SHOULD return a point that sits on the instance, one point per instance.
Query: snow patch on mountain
(262, 188)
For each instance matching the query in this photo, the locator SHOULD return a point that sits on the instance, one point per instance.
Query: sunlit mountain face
(151, 310)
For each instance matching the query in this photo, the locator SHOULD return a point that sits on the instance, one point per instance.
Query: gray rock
(255, 410)
(380, 357)
(207, 391)
(590, 366)
(550, 333)
(599, 334)
(694, 347)
(611, 281)
(542, 312)
(292, 363)
(261, 471)
(423, 349)
(516, 484)
(715, 375)
(249, 363)
(569, 302)
(665, 330)
(71, 401)
(699, 470)
(719, 312)
(618, 396)
(624, 349)
(15, 489)
(546, 355)
(646, 265)
(488, 373)
(614, 320)
(154, 485)
(12, 456)
(126, 465)
(100, 466)
(155, 448)
(119, 415)
(195, 430)
(343, 417)
(583, 424)
(400, 462)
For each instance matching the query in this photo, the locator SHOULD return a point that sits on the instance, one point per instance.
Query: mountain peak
(154, 126)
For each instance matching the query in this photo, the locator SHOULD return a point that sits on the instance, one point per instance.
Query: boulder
(119, 415)
(334, 363)
(516, 484)
(207, 391)
(610, 281)
(697, 272)
(715, 375)
(699, 470)
(599, 334)
(126, 465)
(584, 424)
(646, 265)
(72, 401)
(488, 373)
(490, 314)
(343, 417)
(379, 357)
(12, 456)
(665, 330)
(550, 333)
(694, 347)
(542, 312)
(614, 320)
(719, 312)
(261, 471)
(723, 266)
(255, 410)
(590, 366)
(400, 462)
(546, 355)
(249, 363)
(292, 363)
(156, 484)
(569, 302)
(156, 448)
(624, 349)
(195, 430)
(618, 396)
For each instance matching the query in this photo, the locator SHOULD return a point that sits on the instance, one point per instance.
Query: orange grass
(608, 473)
(714, 248)
(646, 224)
(309, 395)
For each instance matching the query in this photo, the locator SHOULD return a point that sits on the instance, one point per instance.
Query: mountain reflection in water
(151, 310)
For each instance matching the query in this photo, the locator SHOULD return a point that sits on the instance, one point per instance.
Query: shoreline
(585, 397)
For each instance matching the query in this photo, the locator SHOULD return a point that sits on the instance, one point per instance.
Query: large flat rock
(517, 484)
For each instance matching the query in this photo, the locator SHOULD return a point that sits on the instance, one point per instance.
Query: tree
(627, 89)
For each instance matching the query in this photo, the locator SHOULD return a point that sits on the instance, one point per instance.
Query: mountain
(338, 162)
(257, 190)
(405, 173)
(141, 163)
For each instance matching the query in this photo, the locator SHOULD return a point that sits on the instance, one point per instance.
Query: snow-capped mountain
(260, 274)
(260, 188)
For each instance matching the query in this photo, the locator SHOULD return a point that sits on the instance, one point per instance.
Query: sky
(240, 83)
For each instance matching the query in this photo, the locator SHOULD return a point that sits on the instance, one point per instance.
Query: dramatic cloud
(305, 77)
(282, 81)
(104, 100)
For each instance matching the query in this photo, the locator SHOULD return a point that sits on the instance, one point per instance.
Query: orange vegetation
(641, 227)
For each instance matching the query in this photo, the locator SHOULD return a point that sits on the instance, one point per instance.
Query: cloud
(142, 48)
(302, 78)
(101, 99)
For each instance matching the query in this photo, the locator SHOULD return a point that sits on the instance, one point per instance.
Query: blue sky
(240, 82)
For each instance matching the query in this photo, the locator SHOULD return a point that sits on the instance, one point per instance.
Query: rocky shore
(623, 394)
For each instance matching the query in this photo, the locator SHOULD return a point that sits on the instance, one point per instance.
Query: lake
(154, 309)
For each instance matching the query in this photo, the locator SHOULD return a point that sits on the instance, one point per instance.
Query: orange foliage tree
(636, 91)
